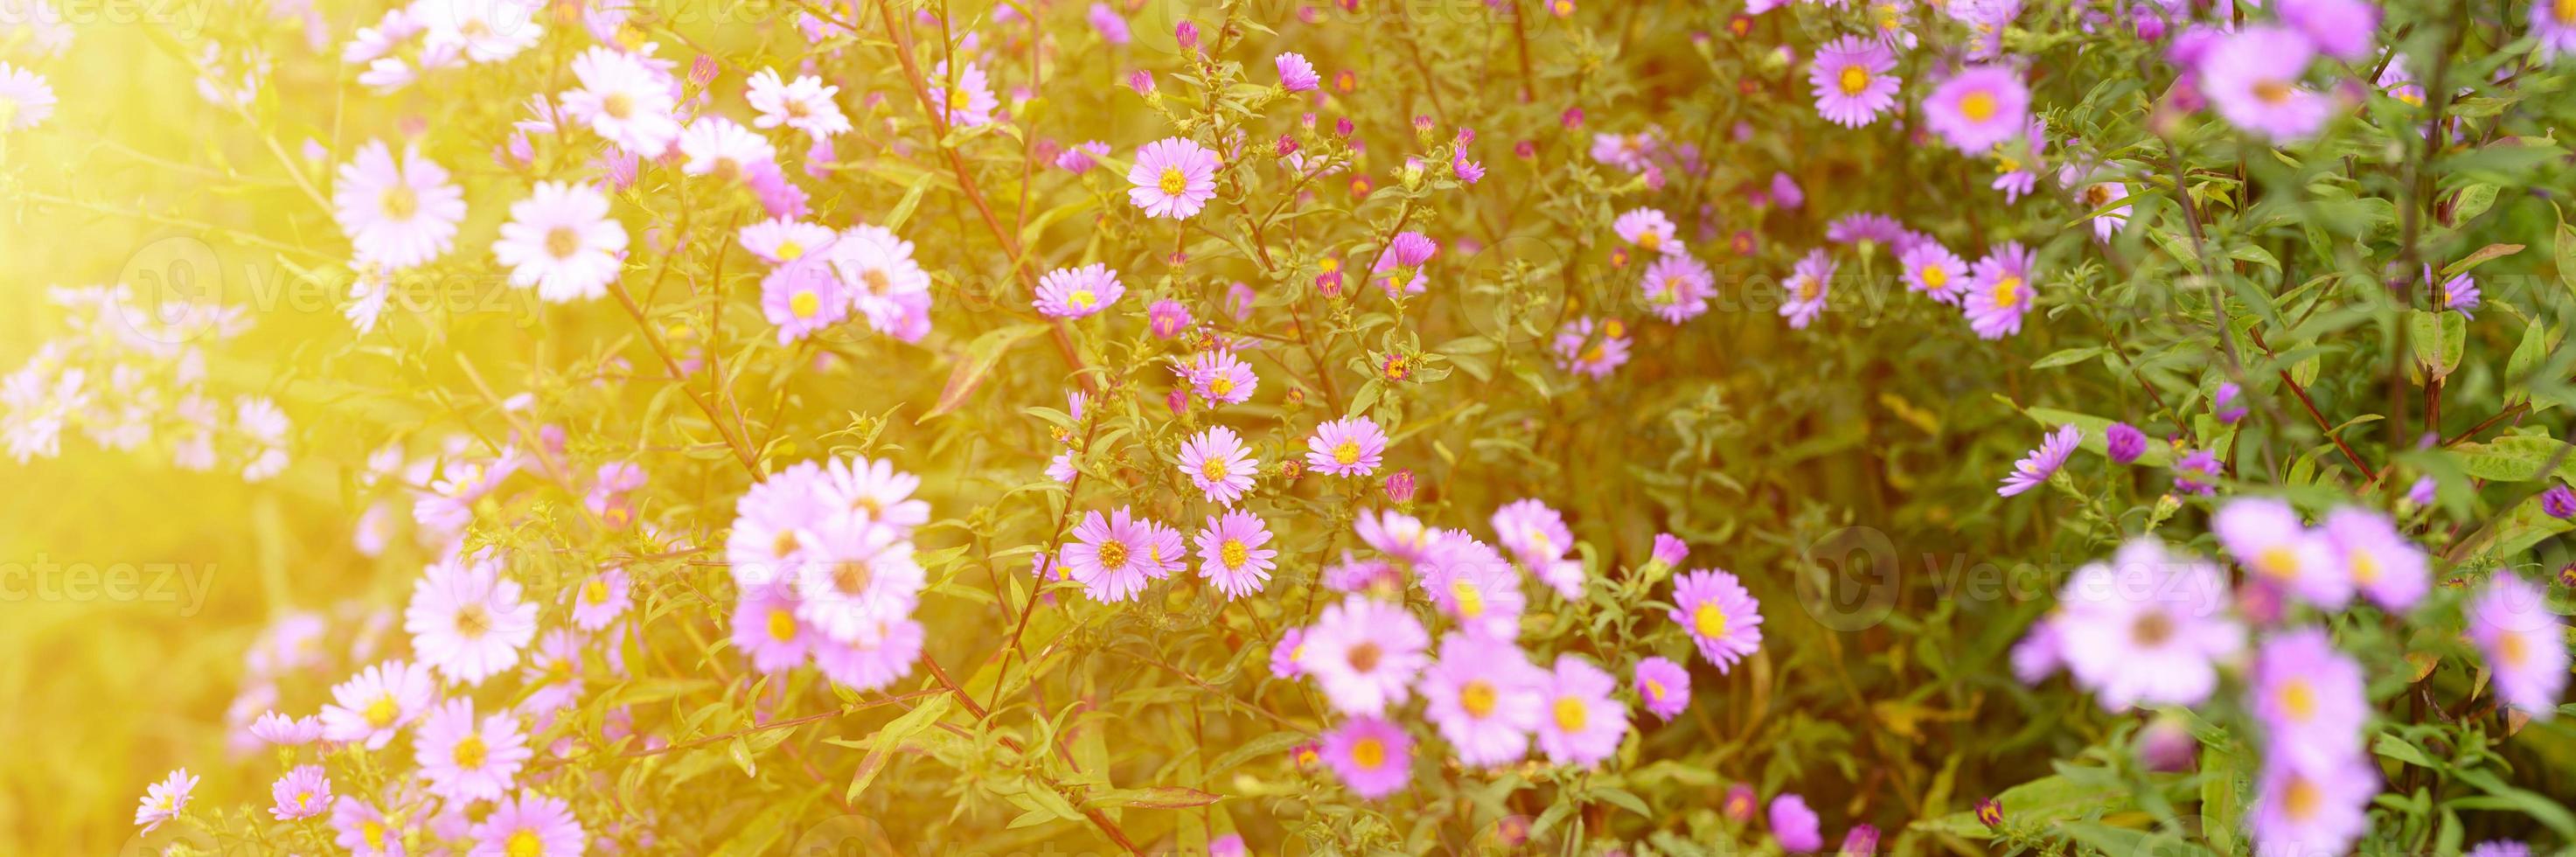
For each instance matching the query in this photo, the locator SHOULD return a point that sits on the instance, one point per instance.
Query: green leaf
(2491, 251)
(2439, 338)
(978, 361)
(1275, 742)
(2068, 357)
(902, 210)
(2514, 458)
(881, 745)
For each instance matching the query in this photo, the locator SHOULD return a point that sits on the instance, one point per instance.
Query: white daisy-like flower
(624, 101)
(877, 271)
(781, 240)
(25, 98)
(804, 104)
(722, 147)
(397, 214)
(484, 30)
(562, 241)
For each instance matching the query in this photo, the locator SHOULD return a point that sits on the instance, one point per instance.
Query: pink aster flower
(1081, 157)
(853, 577)
(1284, 654)
(1978, 107)
(1647, 228)
(1872, 227)
(397, 214)
(364, 829)
(1216, 461)
(1851, 79)
(2147, 627)
(1231, 553)
(721, 147)
(283, 731)
(2099, 196)
(164, 800)
(970, 102)
(562, 241)
(2309, 698)
(2554, 24)
(1167, 318)
(1346, 447)
(2342, 29)
(467, 620)
(804, 104)
(25, 99)
(2268, 539)
(530, 825)
(1485, 698)
(876, 270)
(376, 702)
(1670, 550)
(1663, 686)
(2033, 470)
(302, 793)
(624, 101)
(1219, 377)
(872, 490)
(1078, 292)
(1809, 287)
(1372, 756)
(1933, 270)
(2382, 562)
(1295, 73)
(1592, 349)
(2310, 808)
(2000, 292)
(880, 658)
(1539, 539)
(802, 298)
(600, 600)
(1174, 177)
(1794, 825)
(1112, 557)
(1677, 287)
(1584, 724)
(1721, 616)
(464, 759)
(2252, 78)
(1365, 653)
(2525, 643)
(765, 628)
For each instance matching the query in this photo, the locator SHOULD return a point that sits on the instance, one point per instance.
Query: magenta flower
(2309, 698)
(1978, 107)
(2267, 538)
(1167, 318)
(2342, 29)
(1580, 351)
(1647, 228)
(1346, 447)
(2525, 644)
(2123, 442)
(464, 759)
(164, 800)
(531, 825)
(1081, 157)
(1663, 686)
(1284, 654)
(302, 793)
(1851, 79)
(1677, 287)
(2312, 808)
(2147, 627)
(1810, 285)
(1933, 270)
(1365, 653)
(1216, 461)
(1077, 292)
(1485, 698)
(1584, 724)
(1174, 177)
(1295, 73)
(1670, 549)
(1372, 756)
(1231, 555)
(880, 658)
(2197, 472)
(1720, 615)
(2252, 78)
(2034, 469)
(1794, 825)
(1113, 557)
(2000, 293)
(2554, 24)
(1106, 21)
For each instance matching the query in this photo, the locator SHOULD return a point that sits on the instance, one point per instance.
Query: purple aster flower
(2034, 469)
(1216, 461)
(2381, 562)
(1584, 724)
(1794, 825)
(1677, 287)
(1810, 285)
(1721, 616)
(2554, 24)
(1786, 193)
(2267, 537)
(2224, 404)
(1861, 841)
(2124, 442)
(1082, 157)
(1296, 73)
(2525, 643)
(2498, 848)
(1173, 177)
(1346, 447)
(1283, 655)
(2147, 627)
(2040, 653)
(2558, 501)
(2197, 472)
(2001, 292)
(1167, 318)
(1647, 228)
(1670, 549)
(1112, 557)
(2457, 293)
(1109, 24)
(1663, 686)
(1851, 79)
(1399, 486)
(302, 793)
(1865, 226)
(2312, 809)
(1978, 107)
(1365, 653)
(2309, 698)
(1231, 554)
(1933, 270)
(2252, 78)
(1077, 292)
(1372, 756)
(531, 824)
(1485, 698)
(1740, 802)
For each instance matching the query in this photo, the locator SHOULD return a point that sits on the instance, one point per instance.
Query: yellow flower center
(1477, 699)
(782, 625)
(1213, 469)
(617, 105)
(1935, 276)
(789, 251)
(1854, 79)
(381, 713)
(400, 203)
(1369, 753)
(1809, 288)
(851, 578)
(1570, 714)
(595, 592)
(1113, 554)
(1978, 106)
(526, 844)
(804, 304)
(1650, 240)
(469, 752)
(1597, 353)
(1709, 621)
(1364, 657)
(1220, 386)
(2365, 568)
(2297, 699)
(562, 242)
(374, 832)
(2512, 649)
(1082, 299)
(2277, 561)
(2272, 91)
(2300, 801)
(1471, 600)
(1347, 453)
(1233, 553)
(1654, 690)
(1173, 182)
(2565, 10)
(878, 282)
